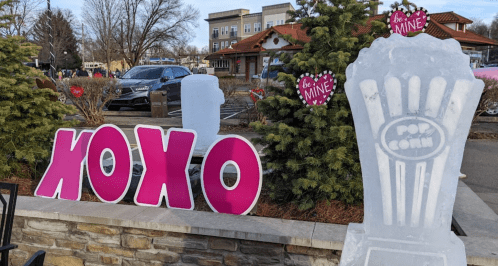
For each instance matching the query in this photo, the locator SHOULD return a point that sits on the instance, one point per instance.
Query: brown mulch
(482, 135)
(333, 212)
(237, 128)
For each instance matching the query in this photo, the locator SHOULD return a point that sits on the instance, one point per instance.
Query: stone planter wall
(73, 243)
(91, 234)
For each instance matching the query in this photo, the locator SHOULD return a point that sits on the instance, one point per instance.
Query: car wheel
(113, 108)
(62, 97)
(492, 110)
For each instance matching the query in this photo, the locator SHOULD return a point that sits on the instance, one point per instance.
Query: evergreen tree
(28, 118)
(305, 9)
(65, 38)
(312, 151)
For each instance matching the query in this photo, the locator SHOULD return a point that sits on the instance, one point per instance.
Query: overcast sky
(483, 9)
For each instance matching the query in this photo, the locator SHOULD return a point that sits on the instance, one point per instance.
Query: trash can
(159, 104)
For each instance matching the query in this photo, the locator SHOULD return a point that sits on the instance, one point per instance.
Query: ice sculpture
(201, 100)
(412, 101)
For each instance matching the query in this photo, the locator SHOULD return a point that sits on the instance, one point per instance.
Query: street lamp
(65, 56)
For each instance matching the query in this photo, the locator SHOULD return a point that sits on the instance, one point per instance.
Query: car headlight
(142, 88)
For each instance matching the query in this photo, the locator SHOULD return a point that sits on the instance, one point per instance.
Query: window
(179, 73)
(144, 73)
(234, 42)
(226, 30)
(269, 24)
(278, 22)
(222, 45)
(257, 26)
(168, 73)
(222, 30)
(226, 44)
(215, 33)
(220, 63)
(215, 47)
(247, 28)
(233, 32)
(281, 22)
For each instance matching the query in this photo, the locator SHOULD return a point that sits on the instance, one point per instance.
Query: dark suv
(139, 81)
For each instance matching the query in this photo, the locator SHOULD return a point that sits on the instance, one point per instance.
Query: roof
(254, 43)
(449, 17)
(437, 29)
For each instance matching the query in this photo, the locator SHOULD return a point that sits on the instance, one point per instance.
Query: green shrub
(28, 117)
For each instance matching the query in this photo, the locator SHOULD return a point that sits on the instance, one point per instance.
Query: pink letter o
(111, 187)
(242, 197)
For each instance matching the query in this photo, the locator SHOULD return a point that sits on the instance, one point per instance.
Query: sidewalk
(132, 121)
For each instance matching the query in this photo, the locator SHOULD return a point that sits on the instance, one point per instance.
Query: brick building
(229, 27)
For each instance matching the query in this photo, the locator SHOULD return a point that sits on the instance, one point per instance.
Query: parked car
(272, 79)
(139, 81)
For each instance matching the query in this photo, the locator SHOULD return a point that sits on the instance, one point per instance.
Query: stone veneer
(91, 234)
(72, 243)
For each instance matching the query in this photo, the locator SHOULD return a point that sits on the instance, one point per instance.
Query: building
(247, 57)
(451, 25)
(229, 27)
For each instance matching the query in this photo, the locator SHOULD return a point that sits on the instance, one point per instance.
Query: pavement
(479, 160)
(479, 164)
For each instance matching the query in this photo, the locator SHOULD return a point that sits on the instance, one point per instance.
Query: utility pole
(51, 71)
(489, 36)
(83, 42)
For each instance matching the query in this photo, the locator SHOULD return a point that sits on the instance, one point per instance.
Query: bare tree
(494, 27)
(103, 16)
(147, 23)
(24, 12)
(479, 27)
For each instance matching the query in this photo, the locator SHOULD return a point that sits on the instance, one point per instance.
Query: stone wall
(73, 243)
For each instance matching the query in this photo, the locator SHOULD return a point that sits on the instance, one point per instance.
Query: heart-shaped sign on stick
(77, 91)
(401, 21)
(316, 90)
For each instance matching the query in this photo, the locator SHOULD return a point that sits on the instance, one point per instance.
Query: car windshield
(144, 73)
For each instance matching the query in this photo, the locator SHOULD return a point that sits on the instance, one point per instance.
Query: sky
(483, 9)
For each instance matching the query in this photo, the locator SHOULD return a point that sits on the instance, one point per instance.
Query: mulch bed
(482, 135)
(334, 212)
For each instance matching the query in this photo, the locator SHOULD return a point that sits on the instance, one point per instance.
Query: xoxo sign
(165, 159)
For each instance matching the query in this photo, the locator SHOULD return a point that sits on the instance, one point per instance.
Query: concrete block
(474, 216)
(329, 236)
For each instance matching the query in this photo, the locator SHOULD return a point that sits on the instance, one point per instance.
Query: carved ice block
(201, 100)
(412, 100)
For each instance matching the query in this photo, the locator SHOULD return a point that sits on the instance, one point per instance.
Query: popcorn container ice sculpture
(201, 100)
(412, 100)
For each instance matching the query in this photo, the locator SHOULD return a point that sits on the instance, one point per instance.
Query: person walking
(82, 73)
(59, 74)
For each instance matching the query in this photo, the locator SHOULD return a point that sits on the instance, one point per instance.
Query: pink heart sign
(316, 91)
(401, 22)
(77, 91)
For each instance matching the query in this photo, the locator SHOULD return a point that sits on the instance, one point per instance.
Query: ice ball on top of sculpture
(201, 98)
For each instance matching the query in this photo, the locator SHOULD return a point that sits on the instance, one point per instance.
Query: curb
(487, 119)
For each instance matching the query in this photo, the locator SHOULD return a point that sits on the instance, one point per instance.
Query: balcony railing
(233, 34)
(215, 35)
